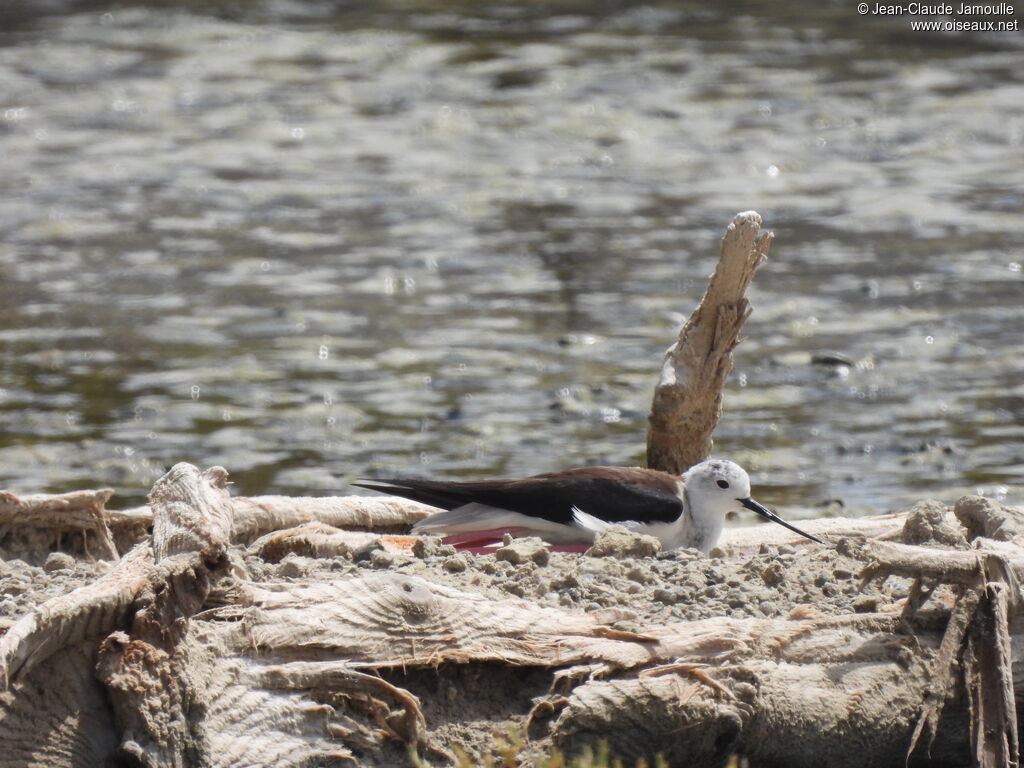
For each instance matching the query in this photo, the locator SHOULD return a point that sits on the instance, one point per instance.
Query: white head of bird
(713, 489)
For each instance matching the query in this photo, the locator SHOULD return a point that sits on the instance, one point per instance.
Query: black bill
(749, 503)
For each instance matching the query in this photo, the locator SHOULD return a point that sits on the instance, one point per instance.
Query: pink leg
(478, 538)
(484, 542)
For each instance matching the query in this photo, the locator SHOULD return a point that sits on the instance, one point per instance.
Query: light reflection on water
(455, 241)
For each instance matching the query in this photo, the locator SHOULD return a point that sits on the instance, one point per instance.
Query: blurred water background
(311, 241)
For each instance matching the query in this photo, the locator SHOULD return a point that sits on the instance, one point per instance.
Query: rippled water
(454, 239)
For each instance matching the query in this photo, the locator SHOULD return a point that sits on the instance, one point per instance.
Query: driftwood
(80, 512)
(38, 522)
(202, 666)
(688, 398)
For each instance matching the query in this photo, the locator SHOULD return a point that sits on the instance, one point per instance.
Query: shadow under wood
(467, 705)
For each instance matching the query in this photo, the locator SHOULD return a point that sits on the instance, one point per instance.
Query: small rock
(616, 541)
(832, 359)
(293, 566)
(866, 604)
(428, 546)
(382, 559)
(514, 588)
(519, 551)
(666, 596)
(638, 575)
(568, 579)
(454, 565)
(773, 574)
(58, 561)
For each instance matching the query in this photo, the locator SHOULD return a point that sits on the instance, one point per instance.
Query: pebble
(866, 604)
(666, 596)
(428, 546)
(293, 566)
(58, 561)
(382, 559)
(454, 565)
(519, 551)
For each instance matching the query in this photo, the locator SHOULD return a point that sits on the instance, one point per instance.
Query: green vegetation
(507, 748)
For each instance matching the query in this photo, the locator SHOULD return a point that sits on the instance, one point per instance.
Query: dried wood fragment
(644, 717)
(749, 538)
(989, 682)
(147, 670)
(943, 671)
(88, 612)
(151, 592)
(316, 539)
(114, 530)
(79, 511)
(688, 398)
(61, 719)
(255, 516)
(192, 513)
(987, 518)
(390, 620)
(258, 515)
(309, 675)
(970, 567)
(989, 594)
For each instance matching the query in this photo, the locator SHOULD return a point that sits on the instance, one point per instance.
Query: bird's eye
(723, 483)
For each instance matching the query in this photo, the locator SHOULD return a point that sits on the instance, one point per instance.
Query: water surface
(454, 239)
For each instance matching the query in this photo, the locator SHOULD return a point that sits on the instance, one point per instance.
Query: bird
(567, 508)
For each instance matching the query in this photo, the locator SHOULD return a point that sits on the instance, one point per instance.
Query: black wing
(614, 494)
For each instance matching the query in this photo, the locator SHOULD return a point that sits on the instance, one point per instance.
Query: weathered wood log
(688, 398)
(258, 515)
(79, 511)
(317, 539)
(141, 607)
(112, 530)
(748, 538)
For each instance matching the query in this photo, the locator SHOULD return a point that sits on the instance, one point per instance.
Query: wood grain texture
(79, 512)
(89, 612)
(57, 715)
(688, 398)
